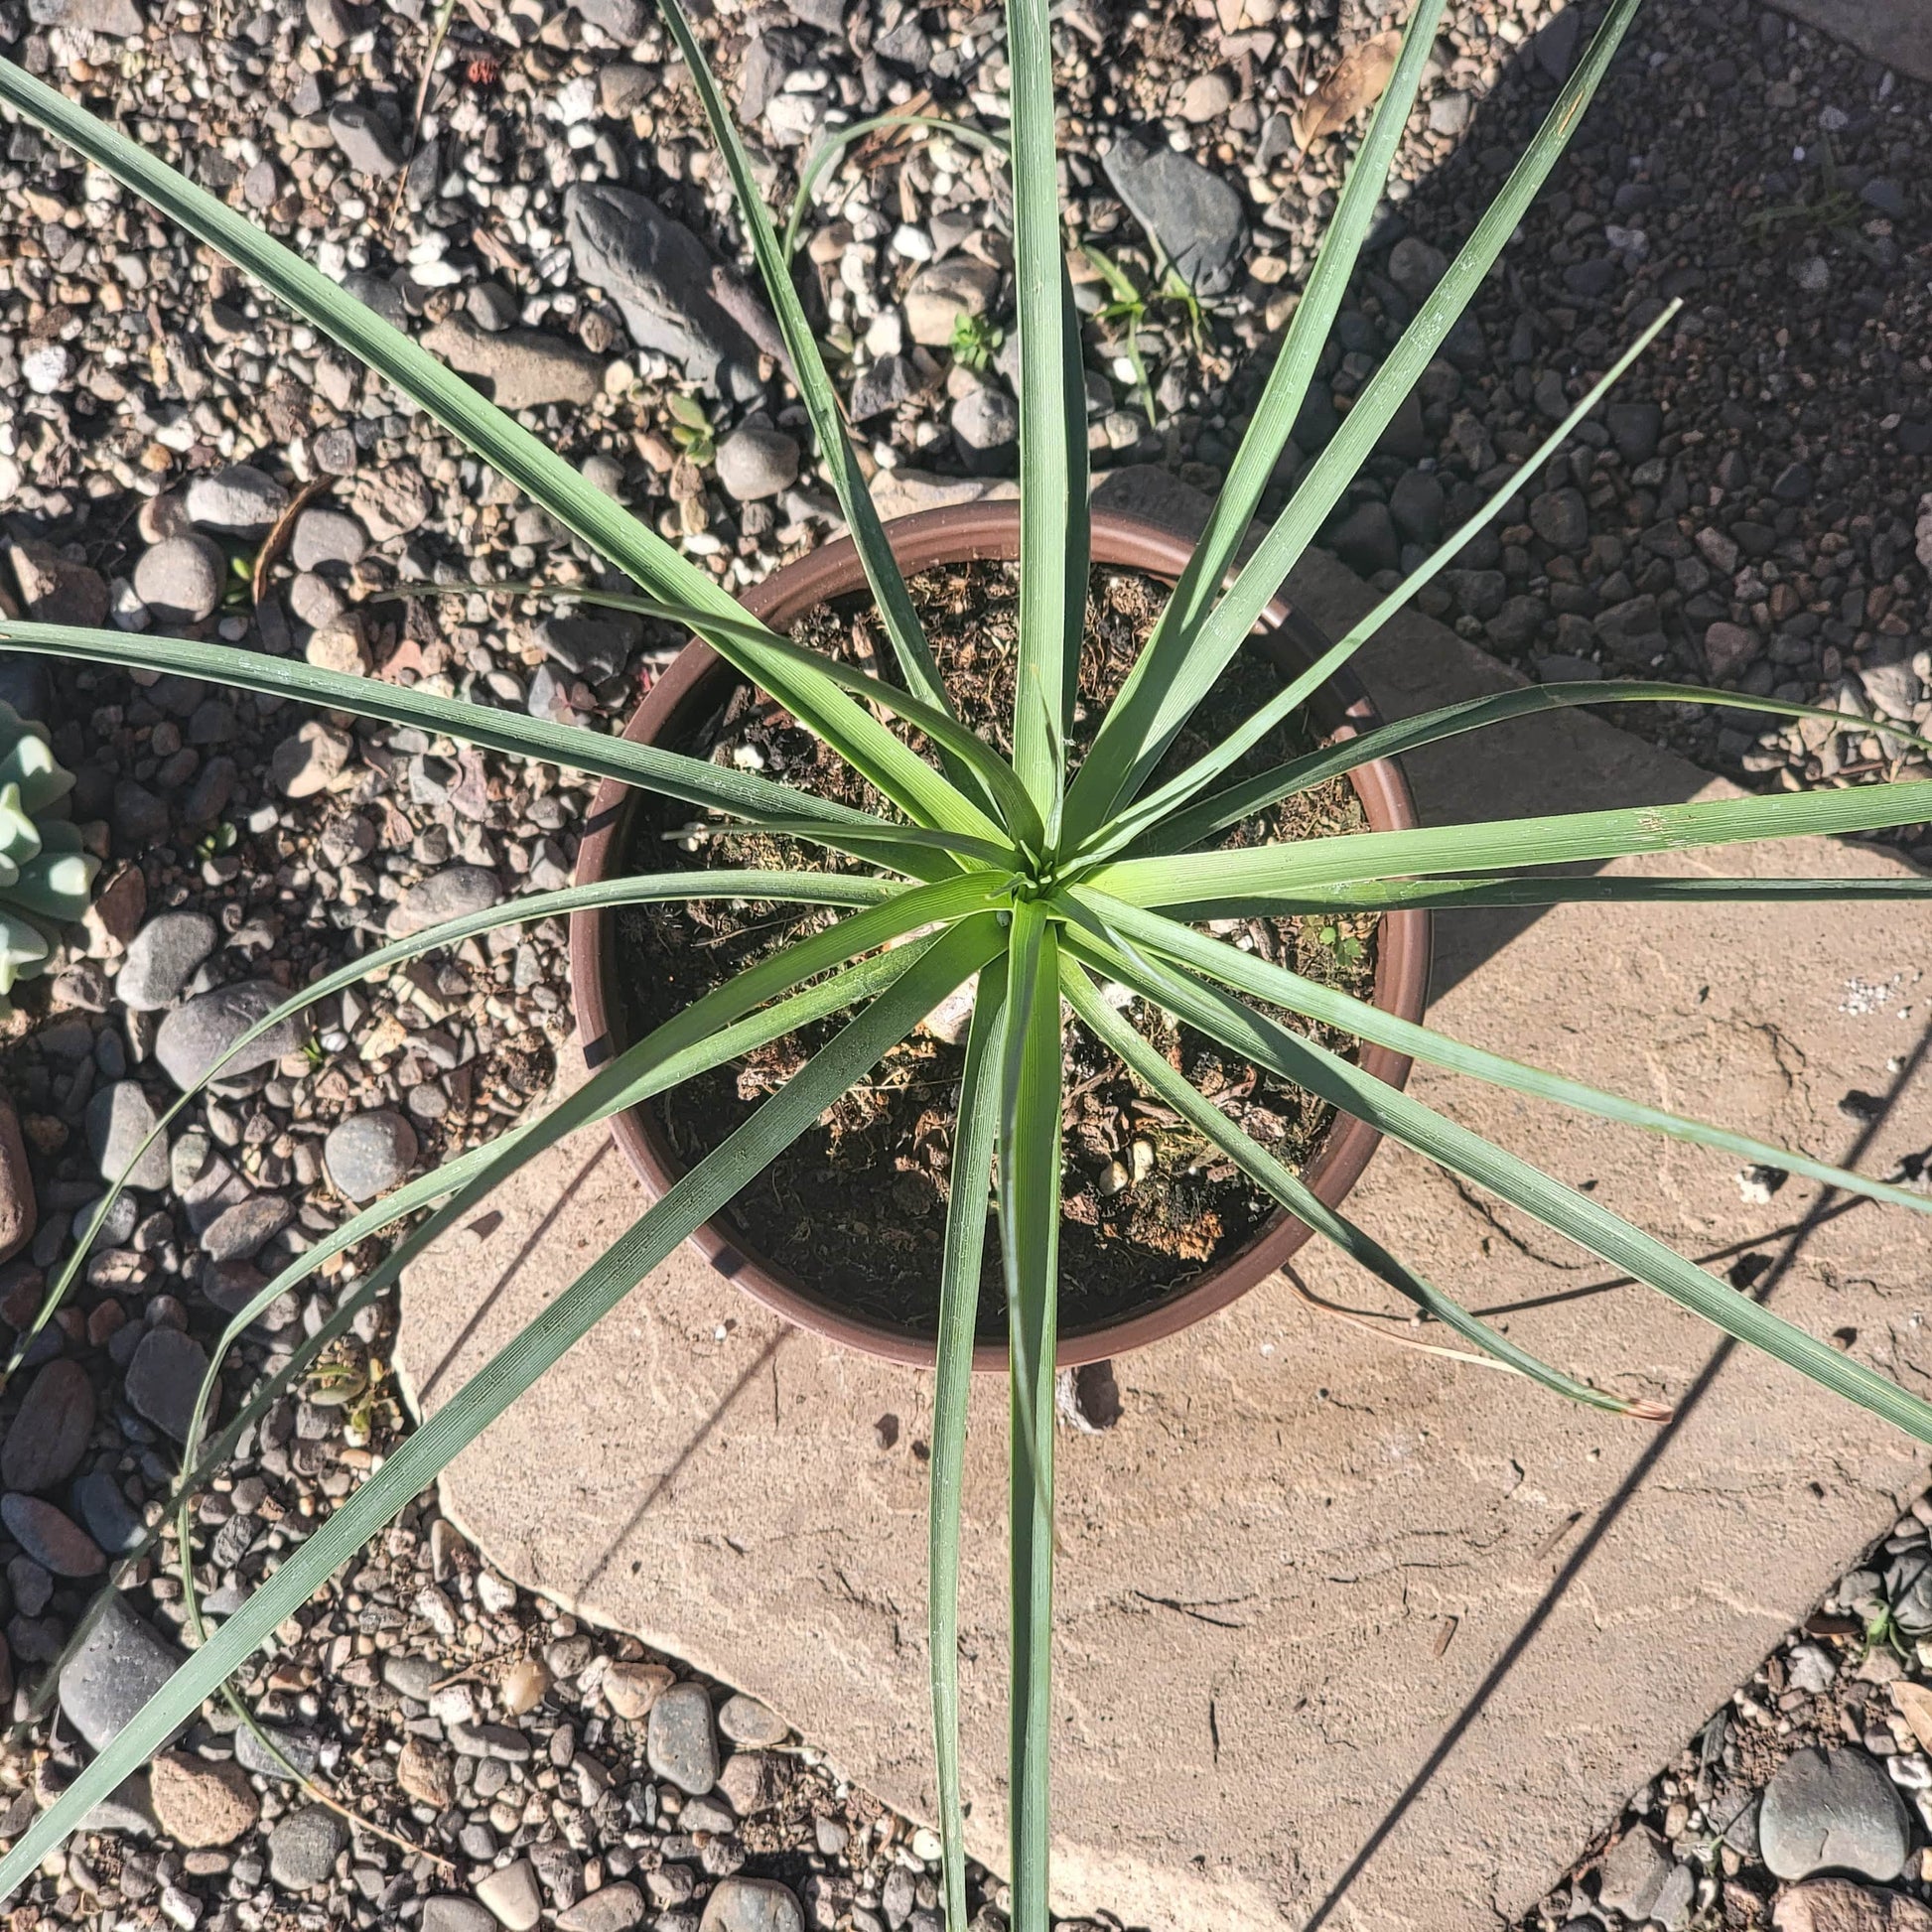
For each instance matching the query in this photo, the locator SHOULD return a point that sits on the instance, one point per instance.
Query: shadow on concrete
(1828, 1209)
(766, 1358)
(507, 1274)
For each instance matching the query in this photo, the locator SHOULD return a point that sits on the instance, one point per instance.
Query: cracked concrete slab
(1347, 1634)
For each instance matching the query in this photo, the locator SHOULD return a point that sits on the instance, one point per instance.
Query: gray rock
(512, 1896)
(1631, 630)
(1635, 428)
(1832, 1811)
(1555, 44)
(32, 1588)
(50, 1537)
(411, 1676)
(1366, 539)
(680, 1739)
(1633, 1873)
(616, 1908)
(1894, 690)
(162, 1377)
(1908, 1589)
(752, 1906)
(240, 1232)
(675, 298)
(744, 1721)
(490, 305)
(194, 1036)
(1559, 667)
(622, 19)
(986, 430)
(1195, 216)
(49, 1435)
(1561, 518)
(121, 1663)
(446, 894)
(593, 647)
(161, 958)
(754, 463)
(944, 294)
(887, 383)
(380, 294)
(1415, 267)
(119, 1120)
(238, 501)
(180, 579)
(1417, 504)
(326, 538)
(300, 1747)
(119, 18)
(368, 1154)
(1729, 648)
(110, 1517)
(1809, 1667)
(304, 1847)
(517, 368)
(368, 143)
(1671, 1908)
(1884, 194)
(449, 1914)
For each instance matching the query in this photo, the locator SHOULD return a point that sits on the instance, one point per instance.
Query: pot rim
(966, 533)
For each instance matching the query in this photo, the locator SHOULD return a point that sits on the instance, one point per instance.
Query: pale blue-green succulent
(46, 876)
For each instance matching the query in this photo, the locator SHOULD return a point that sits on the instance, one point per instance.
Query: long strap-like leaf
(507, 1374)
(1276, 985)
(720, 788)
(1575, 1216)
(995, 774)
(1566, 888)
(815, 389)
(1140, 731)
(970, 1179)
(950, 899)
(588, 513)
(1238, 801)
(1030, 1228)
(1046, 507)
(1257, 873)
(1159, 804)
(1300, 1200)
(1104, 771)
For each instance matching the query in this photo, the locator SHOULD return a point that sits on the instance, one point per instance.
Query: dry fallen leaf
(1914, 1702)
(1357, 82)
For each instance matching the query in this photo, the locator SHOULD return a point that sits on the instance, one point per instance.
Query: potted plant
(1058, 859)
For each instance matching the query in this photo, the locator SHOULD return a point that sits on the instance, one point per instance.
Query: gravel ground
(174, 455)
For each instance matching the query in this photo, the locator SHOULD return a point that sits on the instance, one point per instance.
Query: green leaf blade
(443, 1435)
(970, 1179)
(1029, 1222)
(1047, 514)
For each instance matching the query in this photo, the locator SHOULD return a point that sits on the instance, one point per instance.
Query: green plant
(691, 428)
(1038, 872)
(1129, 304)
(46, 876)
(975, 340)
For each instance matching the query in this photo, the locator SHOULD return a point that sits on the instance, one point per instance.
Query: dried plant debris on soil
(859, 1200)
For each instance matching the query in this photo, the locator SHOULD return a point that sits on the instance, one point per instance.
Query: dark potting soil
(855, 1209)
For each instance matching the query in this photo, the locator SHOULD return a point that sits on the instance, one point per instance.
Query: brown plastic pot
(693, 685)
